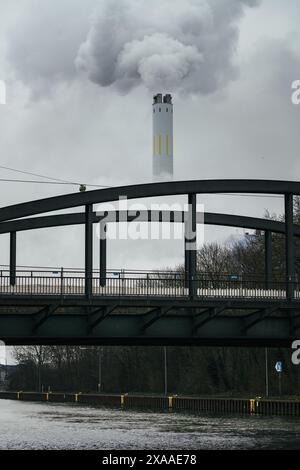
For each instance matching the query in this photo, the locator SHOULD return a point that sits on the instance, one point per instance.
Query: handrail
(206, 286)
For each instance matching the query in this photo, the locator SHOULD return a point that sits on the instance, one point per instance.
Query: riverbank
(258, 406)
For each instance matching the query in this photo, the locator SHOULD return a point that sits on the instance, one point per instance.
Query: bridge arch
(190, 188)
(208, 324)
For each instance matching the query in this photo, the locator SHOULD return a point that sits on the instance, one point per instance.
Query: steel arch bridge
(99, 307)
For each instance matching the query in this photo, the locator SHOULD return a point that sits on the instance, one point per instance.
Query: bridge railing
(164, 284)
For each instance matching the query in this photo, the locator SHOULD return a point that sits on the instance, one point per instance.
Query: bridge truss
(143, 308)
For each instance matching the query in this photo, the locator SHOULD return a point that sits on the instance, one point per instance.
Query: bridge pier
(88, 250)
(268, 259)
(103, 251)
(12, 258)
(289, 246)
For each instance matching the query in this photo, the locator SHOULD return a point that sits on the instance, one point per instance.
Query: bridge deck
(145, 308)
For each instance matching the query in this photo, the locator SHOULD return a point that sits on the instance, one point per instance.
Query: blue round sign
(279, 366)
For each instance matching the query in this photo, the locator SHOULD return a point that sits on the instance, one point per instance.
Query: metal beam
(28, 301)
(212, 313)
(88, 250)
(106, 311)
(268, 259)
(66, 328)
(95, 311)
(103, 254)
(170, 188)
(202, 312)
(289, 246)
(186, 256)
(224, 220)
(160, 313)
(42, 316)
(12, 258)
(257, 317)
(192, 245)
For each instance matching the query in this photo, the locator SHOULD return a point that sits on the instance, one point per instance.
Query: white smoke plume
(175, 45)
(172, 45)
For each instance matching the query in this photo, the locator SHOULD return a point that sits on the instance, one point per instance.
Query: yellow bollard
(122, 400)
(170, 403)
(252, 407)
(76, 397)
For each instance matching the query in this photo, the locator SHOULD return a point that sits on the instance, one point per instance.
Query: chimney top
(158, 98)
(168, 98)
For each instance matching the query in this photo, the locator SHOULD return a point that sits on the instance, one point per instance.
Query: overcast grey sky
(80, 78)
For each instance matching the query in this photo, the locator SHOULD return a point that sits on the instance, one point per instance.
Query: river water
(31, 425)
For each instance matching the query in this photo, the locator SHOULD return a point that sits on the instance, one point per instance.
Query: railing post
(88, 249)
(268, 259)
(12, 258)
(147, 284)
(103, 251)
(192, 240)
(289, 246)
(62, 281)
(186, 256)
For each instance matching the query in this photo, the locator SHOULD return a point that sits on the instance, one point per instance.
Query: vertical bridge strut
(289, 246)
(268, 259)
(13, 258)
(192, 248)
(103, 248)
(88, 250)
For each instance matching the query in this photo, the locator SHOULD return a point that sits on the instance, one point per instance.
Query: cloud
(44, 39)
(172, 45)
(91, 134)
(162, 44)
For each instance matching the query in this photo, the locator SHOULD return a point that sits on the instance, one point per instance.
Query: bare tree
(37, 355)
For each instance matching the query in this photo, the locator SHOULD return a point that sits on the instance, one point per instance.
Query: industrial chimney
(162, 136)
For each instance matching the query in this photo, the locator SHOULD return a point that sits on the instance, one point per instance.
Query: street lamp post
(99, 385)
(99, 369)
(166, 370)
(279, 370)
(267, 372)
